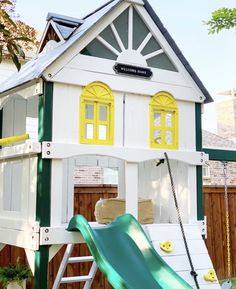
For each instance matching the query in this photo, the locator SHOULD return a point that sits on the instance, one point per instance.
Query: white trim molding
(20, 151)
(51, 150)
(138, 2)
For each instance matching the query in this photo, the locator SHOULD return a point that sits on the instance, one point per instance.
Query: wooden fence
(85, 200)
(215, 210)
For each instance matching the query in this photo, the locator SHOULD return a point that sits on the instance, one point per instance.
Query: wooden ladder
(67, 259)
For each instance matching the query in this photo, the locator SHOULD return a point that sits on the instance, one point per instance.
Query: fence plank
(215, 210)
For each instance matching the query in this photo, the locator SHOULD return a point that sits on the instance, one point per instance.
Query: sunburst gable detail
(128, 39)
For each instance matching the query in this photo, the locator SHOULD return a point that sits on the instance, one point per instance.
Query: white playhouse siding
(131, 109)
(18, 180)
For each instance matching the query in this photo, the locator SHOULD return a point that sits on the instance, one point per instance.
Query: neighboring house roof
(211, 140)
(229, 92)
(35, 68)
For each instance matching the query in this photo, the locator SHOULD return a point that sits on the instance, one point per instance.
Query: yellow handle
(210, 276)
(166, 246)
(13, 139)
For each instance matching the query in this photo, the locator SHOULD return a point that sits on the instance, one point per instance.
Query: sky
(211, 56)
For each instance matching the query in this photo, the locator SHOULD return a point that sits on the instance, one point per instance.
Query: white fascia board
(85, 39)
(43, 36)
(139, 2)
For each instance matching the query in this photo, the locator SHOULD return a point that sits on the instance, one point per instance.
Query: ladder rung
(80, 259)
(75, 279)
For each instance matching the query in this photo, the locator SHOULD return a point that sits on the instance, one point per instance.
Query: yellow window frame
(164, 104)
(99, 95)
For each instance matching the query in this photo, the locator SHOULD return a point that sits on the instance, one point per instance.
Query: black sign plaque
(131, 70)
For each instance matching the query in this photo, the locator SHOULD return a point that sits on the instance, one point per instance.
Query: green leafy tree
(222, 18)
(13, 39)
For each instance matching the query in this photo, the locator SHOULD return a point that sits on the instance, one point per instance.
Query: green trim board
(123, 252)
(41, 268)
(220, 155)
(198, 122)
(45, 113)
(44, 165)
(43, 202)
(200, 204)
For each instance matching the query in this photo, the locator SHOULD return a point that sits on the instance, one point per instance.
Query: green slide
(125, 255)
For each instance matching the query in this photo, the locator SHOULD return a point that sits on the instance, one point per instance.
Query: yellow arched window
(97, 114)
(163, 121)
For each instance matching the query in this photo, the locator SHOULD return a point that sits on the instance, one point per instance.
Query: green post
(44, 184)
(198, 115)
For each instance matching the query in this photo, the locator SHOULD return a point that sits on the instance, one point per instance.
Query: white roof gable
(37, 66)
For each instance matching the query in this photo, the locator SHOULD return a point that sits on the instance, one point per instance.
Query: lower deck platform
(177, 259)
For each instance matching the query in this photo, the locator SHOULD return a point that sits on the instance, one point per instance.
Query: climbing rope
(192, 272)
(225, 164)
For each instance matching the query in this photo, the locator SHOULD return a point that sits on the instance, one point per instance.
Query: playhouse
(113, 84)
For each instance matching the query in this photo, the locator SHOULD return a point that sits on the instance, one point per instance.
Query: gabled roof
(35, 68)
(65, 20)
(66, 25)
